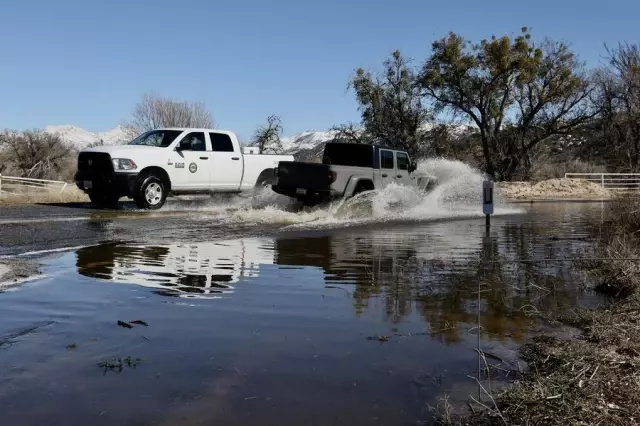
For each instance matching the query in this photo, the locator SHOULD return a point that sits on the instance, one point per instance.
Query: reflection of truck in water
(209, 269)
(347, 169)
(184, 270)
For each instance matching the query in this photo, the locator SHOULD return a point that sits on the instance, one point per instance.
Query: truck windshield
(348, 154)
(159, 138)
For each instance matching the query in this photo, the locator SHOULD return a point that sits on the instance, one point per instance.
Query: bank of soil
(553, 189)
(592, 378)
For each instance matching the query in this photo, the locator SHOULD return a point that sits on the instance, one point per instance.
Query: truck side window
(403, 161)
(195, 140)
(386, 159)
(221, 142)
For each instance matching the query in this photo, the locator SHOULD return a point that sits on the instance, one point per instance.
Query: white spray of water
(458, 193)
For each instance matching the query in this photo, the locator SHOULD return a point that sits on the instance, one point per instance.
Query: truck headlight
(123, 164)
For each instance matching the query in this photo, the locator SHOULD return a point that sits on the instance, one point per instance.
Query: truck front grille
(95, 164)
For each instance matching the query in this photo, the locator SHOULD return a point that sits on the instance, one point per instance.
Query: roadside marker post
(487, 201)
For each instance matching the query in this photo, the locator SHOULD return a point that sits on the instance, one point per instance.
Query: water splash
(457, 193)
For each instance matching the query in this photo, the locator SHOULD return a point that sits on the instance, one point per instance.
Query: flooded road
(272, 318)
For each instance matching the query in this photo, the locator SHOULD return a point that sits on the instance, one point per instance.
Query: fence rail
(12, 185)
(613, 181)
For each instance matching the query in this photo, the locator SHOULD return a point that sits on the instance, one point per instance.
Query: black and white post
(487, 201)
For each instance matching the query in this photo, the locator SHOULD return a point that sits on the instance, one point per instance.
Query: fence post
(0, 184)
(602, 180)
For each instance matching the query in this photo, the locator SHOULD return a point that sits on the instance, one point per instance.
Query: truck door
(402, 169)
(387, 167)
(191, 163)
(227, 164)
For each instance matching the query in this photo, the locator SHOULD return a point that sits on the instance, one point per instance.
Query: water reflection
(433, 271)
(183, 270)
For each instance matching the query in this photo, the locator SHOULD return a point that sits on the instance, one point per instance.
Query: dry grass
(553, 189)
(71, 194)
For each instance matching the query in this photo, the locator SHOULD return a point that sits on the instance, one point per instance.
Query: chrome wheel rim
(153, 193)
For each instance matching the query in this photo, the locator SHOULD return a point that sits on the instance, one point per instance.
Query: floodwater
(370, 324)
(244, 311)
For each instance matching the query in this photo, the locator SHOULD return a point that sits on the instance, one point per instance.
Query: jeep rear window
(386, 159)
(347, 154)
(159, 138)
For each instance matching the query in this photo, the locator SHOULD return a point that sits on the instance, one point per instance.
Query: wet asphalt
(25, 229)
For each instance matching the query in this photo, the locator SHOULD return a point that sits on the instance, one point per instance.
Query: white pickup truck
(172, 161)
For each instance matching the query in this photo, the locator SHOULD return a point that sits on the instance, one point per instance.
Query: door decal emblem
(193, 167)
(179, 165)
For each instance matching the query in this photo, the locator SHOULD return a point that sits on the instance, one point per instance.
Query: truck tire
(151, 192)
(266, 178)
(103, 200)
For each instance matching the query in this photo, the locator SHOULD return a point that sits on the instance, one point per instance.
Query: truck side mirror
(412, 167)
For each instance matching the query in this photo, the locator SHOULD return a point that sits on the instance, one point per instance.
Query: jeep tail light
(332, 176)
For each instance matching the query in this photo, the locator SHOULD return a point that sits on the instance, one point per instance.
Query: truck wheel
(151, 193)
(104, 200)
(362, 187)
(265, 179)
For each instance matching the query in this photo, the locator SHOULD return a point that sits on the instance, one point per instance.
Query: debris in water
(378, 338)
(140, 322)
(72, 346)
(118, 364)
(124, 324)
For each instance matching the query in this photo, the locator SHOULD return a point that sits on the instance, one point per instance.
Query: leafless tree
(35, 153)
(619, 101)
(267, 137)
(155, 111)
(350, 133)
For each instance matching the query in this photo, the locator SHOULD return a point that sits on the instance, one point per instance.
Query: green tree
(516, 92)
(267, 137)
(391, 105)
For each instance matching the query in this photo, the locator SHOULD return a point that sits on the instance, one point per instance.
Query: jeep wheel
(362, 187)
(151, 193)
(104, 200)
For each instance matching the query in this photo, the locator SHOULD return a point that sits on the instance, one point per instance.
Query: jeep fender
(353, 183)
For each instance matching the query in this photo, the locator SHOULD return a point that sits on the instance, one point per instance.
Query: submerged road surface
(25, 229)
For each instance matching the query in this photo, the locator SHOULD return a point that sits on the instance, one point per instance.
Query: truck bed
(303, 180)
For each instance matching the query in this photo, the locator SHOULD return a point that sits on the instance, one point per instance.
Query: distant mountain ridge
(81, 138)
(307, 145)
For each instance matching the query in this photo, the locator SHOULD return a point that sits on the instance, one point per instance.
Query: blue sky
(88, 62)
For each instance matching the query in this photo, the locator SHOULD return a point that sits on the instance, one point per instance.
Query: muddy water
(365, 325)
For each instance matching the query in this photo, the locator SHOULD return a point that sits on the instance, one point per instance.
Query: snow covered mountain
(80, 137)
(306, 140)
